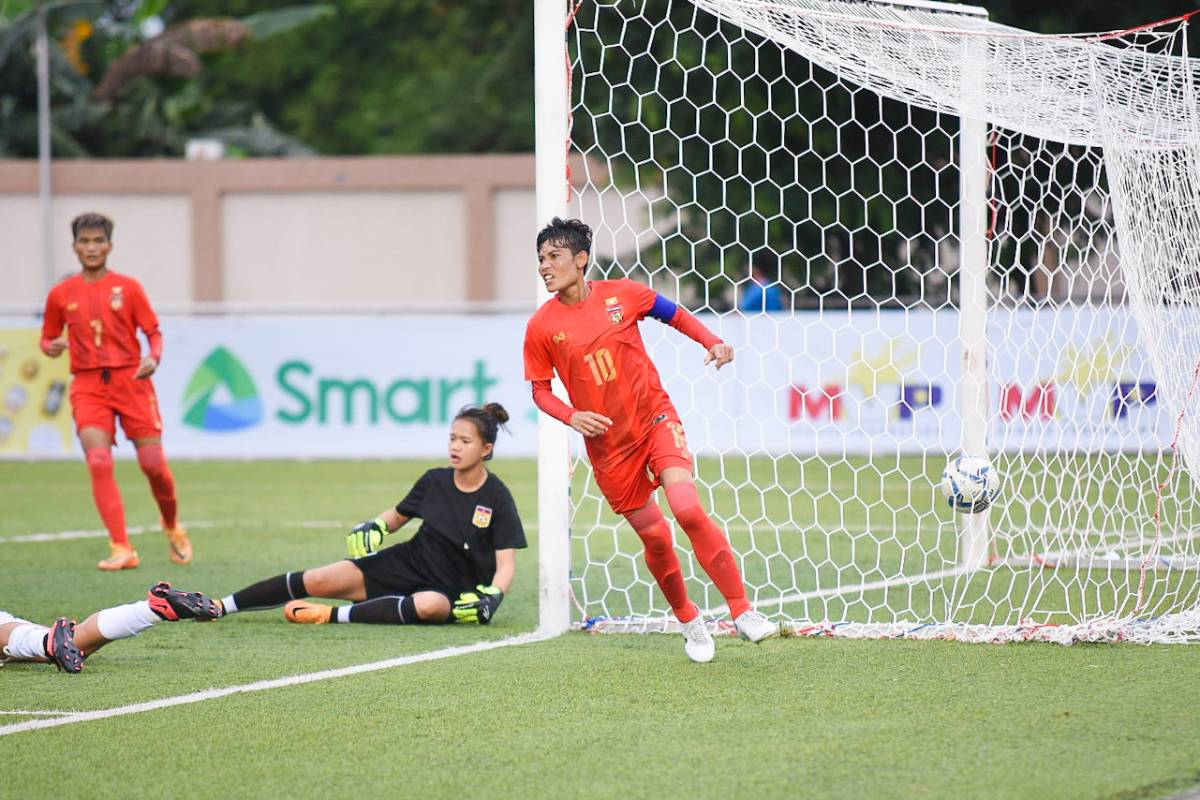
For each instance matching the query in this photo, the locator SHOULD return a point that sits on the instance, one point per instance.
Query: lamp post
(42, 48)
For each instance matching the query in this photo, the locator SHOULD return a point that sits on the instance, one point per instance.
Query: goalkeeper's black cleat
(61, 647)
(172, 604)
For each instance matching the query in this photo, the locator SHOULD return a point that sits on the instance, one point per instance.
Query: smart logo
(221, 370)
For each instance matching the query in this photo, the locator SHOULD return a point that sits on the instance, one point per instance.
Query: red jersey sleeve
(52, 319)
(145, 318)
(639, 298)
(538, 365)
(545, 399)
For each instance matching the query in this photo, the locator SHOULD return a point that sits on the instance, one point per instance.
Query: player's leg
(153, 462)
(137, 405)
(163, 603)
(672, 462)
(96, 436)
(21, 640)
(341, 579)
(417, 608)
(629, 491)
(714, 553)
(659, 551)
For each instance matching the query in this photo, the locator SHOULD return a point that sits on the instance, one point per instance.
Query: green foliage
(152, 114)
(399, 77)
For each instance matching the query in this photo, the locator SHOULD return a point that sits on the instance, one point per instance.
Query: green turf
(578, 716)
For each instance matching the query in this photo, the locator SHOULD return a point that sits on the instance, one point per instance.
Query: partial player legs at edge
(67, 644)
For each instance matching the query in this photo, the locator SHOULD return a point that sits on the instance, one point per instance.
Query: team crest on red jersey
(559, 338)
(482, 518)
(118, 298)
(615, 312)
(71, 306)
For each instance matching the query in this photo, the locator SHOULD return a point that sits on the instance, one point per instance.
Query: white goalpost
(925, 234)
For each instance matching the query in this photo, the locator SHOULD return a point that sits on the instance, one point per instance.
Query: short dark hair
(487, 421)
(570, 233)
(91, 221)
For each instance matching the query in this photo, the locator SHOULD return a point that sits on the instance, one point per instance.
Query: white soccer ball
(970, 484)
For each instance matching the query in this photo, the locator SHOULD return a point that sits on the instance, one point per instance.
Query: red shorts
(627, 484)
(96, 403)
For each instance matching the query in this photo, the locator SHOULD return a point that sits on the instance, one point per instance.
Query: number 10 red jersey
(597, 350)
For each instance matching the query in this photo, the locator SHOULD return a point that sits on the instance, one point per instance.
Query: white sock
(121, 622)
(26, 641)
(230, 604)
(343, 614)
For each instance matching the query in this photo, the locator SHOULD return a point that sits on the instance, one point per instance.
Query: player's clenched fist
(366, 538)
(589, 423)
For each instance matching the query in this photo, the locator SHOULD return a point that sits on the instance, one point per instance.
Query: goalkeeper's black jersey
(460, 531)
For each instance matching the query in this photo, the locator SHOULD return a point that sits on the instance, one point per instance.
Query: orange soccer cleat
(307, 613)
(122, 558)
(180, 545)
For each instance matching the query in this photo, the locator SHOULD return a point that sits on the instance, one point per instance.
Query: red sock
(664, 565)
(162, 483)
(710, 545)
(107, 495)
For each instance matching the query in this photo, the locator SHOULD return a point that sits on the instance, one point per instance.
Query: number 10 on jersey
(604, 369)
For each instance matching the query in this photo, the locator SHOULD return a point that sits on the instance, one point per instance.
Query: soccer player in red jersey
(589, 335)
(101, 311)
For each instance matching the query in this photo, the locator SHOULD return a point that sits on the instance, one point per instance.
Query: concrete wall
(422, 231)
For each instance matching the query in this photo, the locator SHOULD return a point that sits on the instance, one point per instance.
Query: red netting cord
(1158, 499)
(570, 85)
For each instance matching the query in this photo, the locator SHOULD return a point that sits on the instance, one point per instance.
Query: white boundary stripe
(857, 588)
(139, 529)
(19, 713)
(94, 534)
(275, 683)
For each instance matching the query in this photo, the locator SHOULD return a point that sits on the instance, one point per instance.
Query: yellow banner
(35, 410)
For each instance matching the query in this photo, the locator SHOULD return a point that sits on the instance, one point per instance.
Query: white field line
(19, 713)
(275, 683)
(856, 588)
(136, 530)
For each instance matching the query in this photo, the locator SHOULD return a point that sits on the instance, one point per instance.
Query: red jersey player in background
(102, 311)
(589, 335)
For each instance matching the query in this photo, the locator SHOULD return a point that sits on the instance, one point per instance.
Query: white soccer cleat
(754, 626)
(698, 642)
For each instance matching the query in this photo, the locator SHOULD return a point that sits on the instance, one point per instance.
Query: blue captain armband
(663, 310)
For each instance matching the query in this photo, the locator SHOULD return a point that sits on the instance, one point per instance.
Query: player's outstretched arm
(682, 320)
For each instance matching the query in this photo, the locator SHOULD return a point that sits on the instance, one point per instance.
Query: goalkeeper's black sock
(268, 594)
(391, 610)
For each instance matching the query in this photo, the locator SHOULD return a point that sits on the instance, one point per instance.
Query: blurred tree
(406, 76)
(121, 85)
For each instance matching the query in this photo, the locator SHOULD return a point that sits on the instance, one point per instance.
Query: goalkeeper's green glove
(478, 606)
(366, 538)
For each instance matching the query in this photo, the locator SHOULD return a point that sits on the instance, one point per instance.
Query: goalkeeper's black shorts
(392, 571)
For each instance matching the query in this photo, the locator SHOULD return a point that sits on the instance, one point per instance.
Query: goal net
(925, 234)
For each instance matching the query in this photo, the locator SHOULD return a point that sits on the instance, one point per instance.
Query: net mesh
(790, 171)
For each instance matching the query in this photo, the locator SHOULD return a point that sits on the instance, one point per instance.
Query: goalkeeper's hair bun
(496, 412)
(488, 420)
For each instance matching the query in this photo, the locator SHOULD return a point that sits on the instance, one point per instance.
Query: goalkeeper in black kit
(457, 567)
